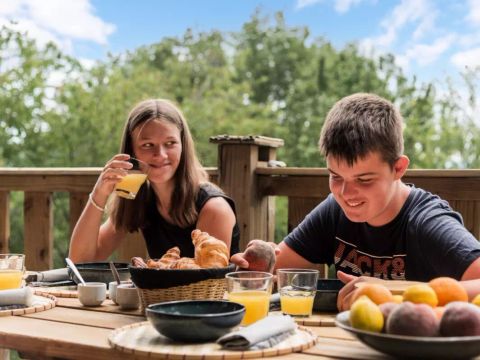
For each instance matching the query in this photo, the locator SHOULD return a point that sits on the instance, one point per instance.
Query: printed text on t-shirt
(351, 260)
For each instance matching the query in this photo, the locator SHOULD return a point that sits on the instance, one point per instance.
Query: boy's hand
(259, 256)
(345, 295)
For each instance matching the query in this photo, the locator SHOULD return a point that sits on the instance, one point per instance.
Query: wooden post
(4, 221)
(238, 157)
(78, 201)
(38, 228)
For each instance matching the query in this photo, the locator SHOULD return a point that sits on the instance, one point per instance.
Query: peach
(460, 319)
(260, 256)
(412, 319)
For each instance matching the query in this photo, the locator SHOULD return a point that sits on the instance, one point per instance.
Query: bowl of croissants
(173, 277)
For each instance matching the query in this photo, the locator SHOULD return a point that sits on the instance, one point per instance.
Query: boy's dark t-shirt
(426, 239)
(161, 235)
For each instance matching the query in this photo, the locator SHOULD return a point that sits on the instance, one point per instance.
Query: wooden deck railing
(242, 172)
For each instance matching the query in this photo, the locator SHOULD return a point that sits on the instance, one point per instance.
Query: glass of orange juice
(297, 289)
(11, 270)
(130, 184)
(252, 289)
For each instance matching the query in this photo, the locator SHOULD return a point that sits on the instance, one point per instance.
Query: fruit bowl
(412, 346)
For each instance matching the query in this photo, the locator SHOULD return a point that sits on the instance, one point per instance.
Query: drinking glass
(297, 289)
(251, 289)
(130, 184)
(11, 270)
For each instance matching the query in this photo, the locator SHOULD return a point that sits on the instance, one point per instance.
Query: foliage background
(267, 79)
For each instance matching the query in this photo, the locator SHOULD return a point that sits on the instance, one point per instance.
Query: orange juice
(256, 304)
(297, 303)
(10, 279)
(129, 185)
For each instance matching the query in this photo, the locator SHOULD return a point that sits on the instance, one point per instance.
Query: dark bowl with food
(326, 295)
(99, 272)
(150, 278)
(195, 320)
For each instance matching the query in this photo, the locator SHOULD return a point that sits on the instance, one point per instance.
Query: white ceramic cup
(112, 289)
(92, 293)
(127, 297)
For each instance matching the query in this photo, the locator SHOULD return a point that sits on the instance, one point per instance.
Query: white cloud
(466, 59)
(56, 20)
(417, 12)
(474, 12)
(306, 3)
(426, 54)
(343, 6)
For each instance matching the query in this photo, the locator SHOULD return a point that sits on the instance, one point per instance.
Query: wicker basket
(211, 289)
(160, 285)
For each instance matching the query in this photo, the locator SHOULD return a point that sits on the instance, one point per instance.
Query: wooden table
(75, 332)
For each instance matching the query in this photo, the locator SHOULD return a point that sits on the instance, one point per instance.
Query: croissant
(209, 251)
(167, 260)
(185, 263)
(138, 262)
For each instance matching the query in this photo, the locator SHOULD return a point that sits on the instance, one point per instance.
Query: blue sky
(430, 38)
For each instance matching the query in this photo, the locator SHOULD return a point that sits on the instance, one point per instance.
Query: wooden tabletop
(73, 331)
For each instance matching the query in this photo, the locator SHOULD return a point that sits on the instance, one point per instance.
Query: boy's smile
(370, 190)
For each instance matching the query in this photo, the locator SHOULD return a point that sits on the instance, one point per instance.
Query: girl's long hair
(130, 215)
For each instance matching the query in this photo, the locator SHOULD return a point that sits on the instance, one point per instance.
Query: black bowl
(99, 272)
(326, 295)
(195, 320)
(147, 278)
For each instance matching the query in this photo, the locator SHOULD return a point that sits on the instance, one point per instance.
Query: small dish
(413, 346)
(195, 320)
(326, 295)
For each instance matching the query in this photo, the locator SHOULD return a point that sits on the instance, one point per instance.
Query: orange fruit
(448, 290)
(397, 299)
(378, 293)
(420, 294)
(476, 300)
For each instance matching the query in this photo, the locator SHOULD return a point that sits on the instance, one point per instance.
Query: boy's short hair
(359, 124)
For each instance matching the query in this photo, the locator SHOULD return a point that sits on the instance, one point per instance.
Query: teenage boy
(372, 224)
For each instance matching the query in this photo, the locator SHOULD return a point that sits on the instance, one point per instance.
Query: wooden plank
(102, 319)
(344, 349)
(317, 186)
(108, 306)
(433, 173)
(78, 200)
(40, 338)
(38, 241)
(54, 179)
(298, 208)
(237, 164)
(4, 221)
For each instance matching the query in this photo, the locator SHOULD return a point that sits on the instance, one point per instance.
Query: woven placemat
(142, 340)
(41, 302)
(61, 291)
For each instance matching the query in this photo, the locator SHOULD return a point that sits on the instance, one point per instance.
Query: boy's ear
(401, 166)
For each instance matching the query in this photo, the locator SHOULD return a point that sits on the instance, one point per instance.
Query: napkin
(262, 334)
(49, 275)
(23, 296)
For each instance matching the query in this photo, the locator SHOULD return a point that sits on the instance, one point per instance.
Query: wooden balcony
(242, 172)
